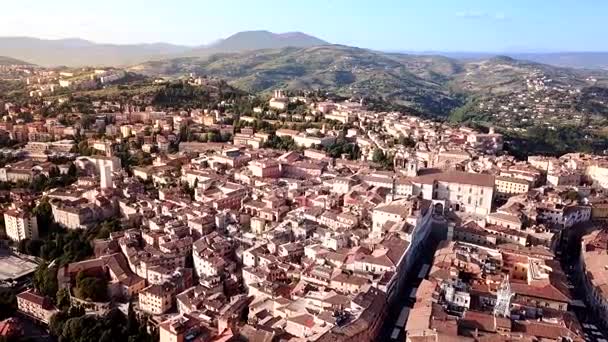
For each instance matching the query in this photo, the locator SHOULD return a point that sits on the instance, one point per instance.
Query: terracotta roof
(305, 320)
(548, 291)
(36, 299)
(478, 179)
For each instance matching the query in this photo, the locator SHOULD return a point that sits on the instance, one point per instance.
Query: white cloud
(471, 14)
(475, 14)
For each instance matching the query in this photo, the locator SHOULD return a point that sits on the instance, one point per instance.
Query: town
(298, 217)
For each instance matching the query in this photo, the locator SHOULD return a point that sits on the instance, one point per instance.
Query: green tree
(72, 171)
(91, 288)
(8, 302)
(378, 156)
(63, 299)
(45, 280)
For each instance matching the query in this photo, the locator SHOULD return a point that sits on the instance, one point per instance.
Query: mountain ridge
(4, 60)
(433, 84)
(77, 52)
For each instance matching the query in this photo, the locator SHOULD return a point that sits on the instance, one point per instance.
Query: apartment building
(156, 299)
(20, 225)
(35, 306)
(508, 186)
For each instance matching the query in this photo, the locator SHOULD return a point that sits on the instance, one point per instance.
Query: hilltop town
(203, 213)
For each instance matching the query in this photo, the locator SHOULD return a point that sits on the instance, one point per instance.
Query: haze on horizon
(439, 25)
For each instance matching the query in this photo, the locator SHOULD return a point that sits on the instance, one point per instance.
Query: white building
(461, 191)
(106, 177)
(20, 225)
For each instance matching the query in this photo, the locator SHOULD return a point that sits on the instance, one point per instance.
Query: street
(412, 281)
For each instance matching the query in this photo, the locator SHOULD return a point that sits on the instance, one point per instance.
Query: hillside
(347, 71)
(433, 84)
(78, 52)
(12, 61)
(257, 40)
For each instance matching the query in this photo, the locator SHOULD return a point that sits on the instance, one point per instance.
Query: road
(569, 260)
(411, 282)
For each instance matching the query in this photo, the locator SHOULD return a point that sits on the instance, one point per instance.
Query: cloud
(474, 14)
(471, 14)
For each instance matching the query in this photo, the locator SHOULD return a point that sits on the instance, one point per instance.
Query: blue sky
(413, 25)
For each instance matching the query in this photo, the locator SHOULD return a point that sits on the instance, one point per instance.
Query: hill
(582, 60)
(433, 84)
(12, 61)
(78, 52)
(257, 40)
(407, 80)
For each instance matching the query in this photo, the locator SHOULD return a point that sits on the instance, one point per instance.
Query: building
(183, 328)
(279, 101)
(508, 186)
(156, 299)
(265, 168)
(106, 177)
(35, 306)
(461, 191)
(592, 273)
(20, 225)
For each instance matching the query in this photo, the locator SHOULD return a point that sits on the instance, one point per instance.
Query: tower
(503, 299)
(412, 167)
(106, 177)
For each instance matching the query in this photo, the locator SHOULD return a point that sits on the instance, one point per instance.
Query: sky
(400, 25)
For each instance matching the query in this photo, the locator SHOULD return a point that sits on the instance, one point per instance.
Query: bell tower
(503, 299)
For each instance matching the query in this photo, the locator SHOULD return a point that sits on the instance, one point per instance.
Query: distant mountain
(257, 40)
(429, 83)
(78, 52)
(415, 81)
(587, 60)
(579, 60)
(12, 61)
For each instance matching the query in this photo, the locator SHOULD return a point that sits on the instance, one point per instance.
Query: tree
(63, 299)
(45, 280)
(378, 156)
(30, 247)
(113, 327)
(44, 216)
(8, 303)
(83, 148)
(54, 172)
(72, 171)
(406, 141)
(385, 161)
(91, 288)
(39, 183)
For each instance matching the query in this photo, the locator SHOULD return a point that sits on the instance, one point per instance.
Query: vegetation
(8, 302)
(554, 142)
(91, 288)
(45, 280)
(74, 326)
(182, 94)
(398, 80)
(281, 143)
(385, 161)
(343, 147)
